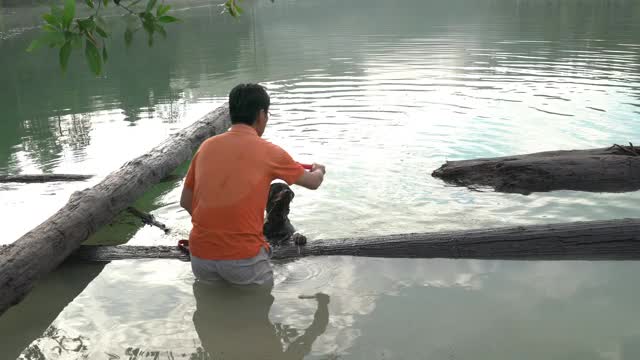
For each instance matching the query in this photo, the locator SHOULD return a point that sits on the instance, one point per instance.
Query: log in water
(614, 169)
(593, 240)
(42, 178)
(45, 247)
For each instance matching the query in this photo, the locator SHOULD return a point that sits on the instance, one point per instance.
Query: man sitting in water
(226, 191)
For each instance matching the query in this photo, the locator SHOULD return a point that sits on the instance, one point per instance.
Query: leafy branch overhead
(63, 30)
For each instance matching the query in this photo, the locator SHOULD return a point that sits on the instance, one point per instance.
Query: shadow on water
(233, 323)
(30, 319)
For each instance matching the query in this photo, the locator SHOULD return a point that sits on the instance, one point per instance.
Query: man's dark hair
(246, 101)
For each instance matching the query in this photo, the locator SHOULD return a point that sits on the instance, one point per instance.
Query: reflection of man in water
(233, 323)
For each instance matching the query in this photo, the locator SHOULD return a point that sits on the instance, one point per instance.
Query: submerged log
(42, 178)
(45, 247)
(593, 240)
(614, 169)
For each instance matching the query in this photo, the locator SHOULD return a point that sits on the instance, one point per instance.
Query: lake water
(383, 92)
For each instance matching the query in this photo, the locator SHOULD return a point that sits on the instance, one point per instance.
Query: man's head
(249, 105)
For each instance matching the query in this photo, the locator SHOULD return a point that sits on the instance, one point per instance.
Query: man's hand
(312, 179)
(318, 167)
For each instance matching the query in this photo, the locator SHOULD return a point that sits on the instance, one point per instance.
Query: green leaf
(167, 19)
(76, 41)
(57, 13)
(231, 7)
(104, 54)
(162, 9)
(54, 39)
(35, 45)
(51, 19)
(50, 28)
(101, 32)
(128, 37)
(105, 2)
(68, 13)
(147, 16)
(150, 5)
(161, 30)
(148, 26)
(89, 3)
(93, 57)
(48, 38)
(87, 24)
(234, 9)
(65, 52)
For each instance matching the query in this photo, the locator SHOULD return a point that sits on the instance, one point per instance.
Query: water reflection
(380, 309)
(32, 318)
(233, 323)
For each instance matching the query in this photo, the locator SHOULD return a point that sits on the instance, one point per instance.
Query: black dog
(277, 227)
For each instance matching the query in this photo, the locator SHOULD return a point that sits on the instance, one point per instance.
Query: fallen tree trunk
(594, 240)
(42, 249)
(614, 169)
(42, 178)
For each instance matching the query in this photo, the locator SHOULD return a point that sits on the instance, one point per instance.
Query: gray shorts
(253, 271)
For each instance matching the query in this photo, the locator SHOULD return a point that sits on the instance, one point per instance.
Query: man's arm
(312, 179)
(186, 199)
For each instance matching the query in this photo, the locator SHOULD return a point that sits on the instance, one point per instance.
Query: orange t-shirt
(230, 176)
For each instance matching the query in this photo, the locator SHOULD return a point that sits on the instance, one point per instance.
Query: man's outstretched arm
(312, 179)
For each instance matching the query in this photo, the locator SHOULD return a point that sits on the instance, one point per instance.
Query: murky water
(383, 92)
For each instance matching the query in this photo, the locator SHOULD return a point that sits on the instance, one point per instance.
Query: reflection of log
(41, 178)
(613, 240)
(100, 253)
(147, 219)
(45, 247)
(614, 169)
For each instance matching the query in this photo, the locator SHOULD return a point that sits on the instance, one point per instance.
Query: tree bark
(614, 169)
(42, 178)
(45, 247)
(594, 240)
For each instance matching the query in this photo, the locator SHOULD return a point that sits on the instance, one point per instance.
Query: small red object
(306, 166)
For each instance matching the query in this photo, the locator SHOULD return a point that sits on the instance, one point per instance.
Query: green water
(383, 92)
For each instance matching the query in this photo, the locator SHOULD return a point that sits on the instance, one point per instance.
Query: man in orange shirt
(226, 191)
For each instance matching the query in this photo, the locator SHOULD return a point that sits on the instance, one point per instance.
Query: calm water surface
(383, 92)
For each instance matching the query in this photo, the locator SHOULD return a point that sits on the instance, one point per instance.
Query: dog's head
(280, 196)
